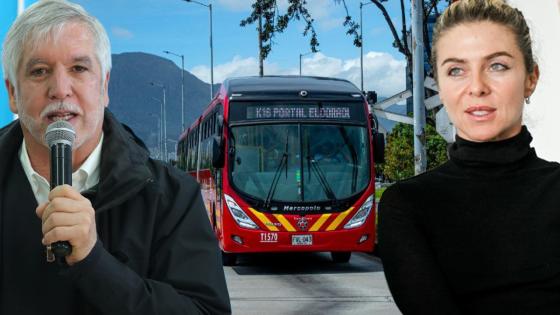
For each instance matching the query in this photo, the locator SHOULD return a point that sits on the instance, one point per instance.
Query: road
(308, 283)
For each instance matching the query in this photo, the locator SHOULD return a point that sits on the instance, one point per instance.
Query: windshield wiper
(274, 184)
(354, 156)
(321, 177)
(231, 150)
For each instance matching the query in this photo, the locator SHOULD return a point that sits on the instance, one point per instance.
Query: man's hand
(69, 216)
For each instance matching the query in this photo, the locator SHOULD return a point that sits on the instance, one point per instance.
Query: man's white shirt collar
(84, 178)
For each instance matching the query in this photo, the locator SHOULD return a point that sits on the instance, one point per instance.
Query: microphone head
(60, 131)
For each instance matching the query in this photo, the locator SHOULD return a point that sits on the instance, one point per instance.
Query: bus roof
(289, 84)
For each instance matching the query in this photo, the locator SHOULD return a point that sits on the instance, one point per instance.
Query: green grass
(379, 192)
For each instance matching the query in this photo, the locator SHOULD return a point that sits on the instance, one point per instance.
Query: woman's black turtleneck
(478, 235)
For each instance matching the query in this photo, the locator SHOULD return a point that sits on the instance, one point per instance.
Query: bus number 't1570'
(269, 237)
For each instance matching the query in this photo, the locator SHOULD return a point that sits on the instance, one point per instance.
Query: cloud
(238, 67)
(326, 13)
(237, 5)
(122, 32)
(320, 9)
(382, 72)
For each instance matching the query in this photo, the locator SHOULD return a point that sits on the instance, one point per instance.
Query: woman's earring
(528, 100)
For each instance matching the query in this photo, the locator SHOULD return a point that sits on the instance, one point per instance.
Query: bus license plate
(302, 240)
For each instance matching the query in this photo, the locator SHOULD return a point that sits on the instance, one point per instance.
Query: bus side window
(190, 153)
(214, 125)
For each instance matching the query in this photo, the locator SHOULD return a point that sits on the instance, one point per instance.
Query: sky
(183, 28)
(153, 26)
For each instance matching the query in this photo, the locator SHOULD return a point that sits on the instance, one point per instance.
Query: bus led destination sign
(298, 112)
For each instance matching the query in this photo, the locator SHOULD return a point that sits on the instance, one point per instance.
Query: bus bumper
(258, 241)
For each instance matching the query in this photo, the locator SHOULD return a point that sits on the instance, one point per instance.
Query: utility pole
(182, 93)
(261, 61)
(209, 6)
(164, 128)
(361, 50)
(20, 7)
(211, 56)
(361, 46)
(419, 109)
(182, 86)
(164, 120)
(160, 127)
(300, 55)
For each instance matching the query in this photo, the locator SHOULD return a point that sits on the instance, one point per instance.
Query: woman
(481, 233)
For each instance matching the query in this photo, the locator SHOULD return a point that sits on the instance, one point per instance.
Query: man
(141, 240)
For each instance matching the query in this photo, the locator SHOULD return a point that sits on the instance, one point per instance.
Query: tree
(274, 22)
(399, 153)
(400, 157)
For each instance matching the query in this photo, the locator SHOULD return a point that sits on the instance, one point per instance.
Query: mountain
(131, 97)
(137, 103)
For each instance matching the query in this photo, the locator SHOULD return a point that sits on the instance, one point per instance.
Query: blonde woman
(481, 233)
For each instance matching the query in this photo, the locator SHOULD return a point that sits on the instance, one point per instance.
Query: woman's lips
(481, 113)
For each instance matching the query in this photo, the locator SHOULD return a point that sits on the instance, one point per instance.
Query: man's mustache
(53, 108)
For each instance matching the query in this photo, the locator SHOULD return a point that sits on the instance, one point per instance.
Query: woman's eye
(455, 72)
(498, 67)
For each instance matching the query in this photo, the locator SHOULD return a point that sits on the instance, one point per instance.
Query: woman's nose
(478, 86)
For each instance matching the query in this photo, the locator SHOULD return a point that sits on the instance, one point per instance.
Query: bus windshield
(299, 162)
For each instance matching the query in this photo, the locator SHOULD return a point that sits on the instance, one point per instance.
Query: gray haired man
(140, 237)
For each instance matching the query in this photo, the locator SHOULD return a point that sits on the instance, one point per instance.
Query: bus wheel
(375, 251)
(229, 259)
(341, 257)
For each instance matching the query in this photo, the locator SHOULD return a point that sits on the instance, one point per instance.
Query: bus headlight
(239, 215)
(360, 217)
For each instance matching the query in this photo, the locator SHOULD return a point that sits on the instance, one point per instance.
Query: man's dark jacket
(156, 253)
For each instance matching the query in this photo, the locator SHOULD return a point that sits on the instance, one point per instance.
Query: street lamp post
(182, 87)
(419, 109)
(362, 46)
(209, 6)
(174, 155)
(301, 55)
(164, 120)
(160, 127)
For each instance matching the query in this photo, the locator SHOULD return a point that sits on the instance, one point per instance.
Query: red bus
(286, 163)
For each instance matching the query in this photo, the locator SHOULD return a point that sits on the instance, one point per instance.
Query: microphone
(60, 136)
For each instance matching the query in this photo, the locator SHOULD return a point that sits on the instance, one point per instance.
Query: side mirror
(374, 123)
(371, 97)
(217, 152)
(378, 147)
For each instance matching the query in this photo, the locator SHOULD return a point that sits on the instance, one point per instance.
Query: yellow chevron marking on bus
(339, 219)
(320, 222)
(264, 220)
(284, 222)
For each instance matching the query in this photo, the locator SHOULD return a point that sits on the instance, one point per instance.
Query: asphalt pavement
(308, 283)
